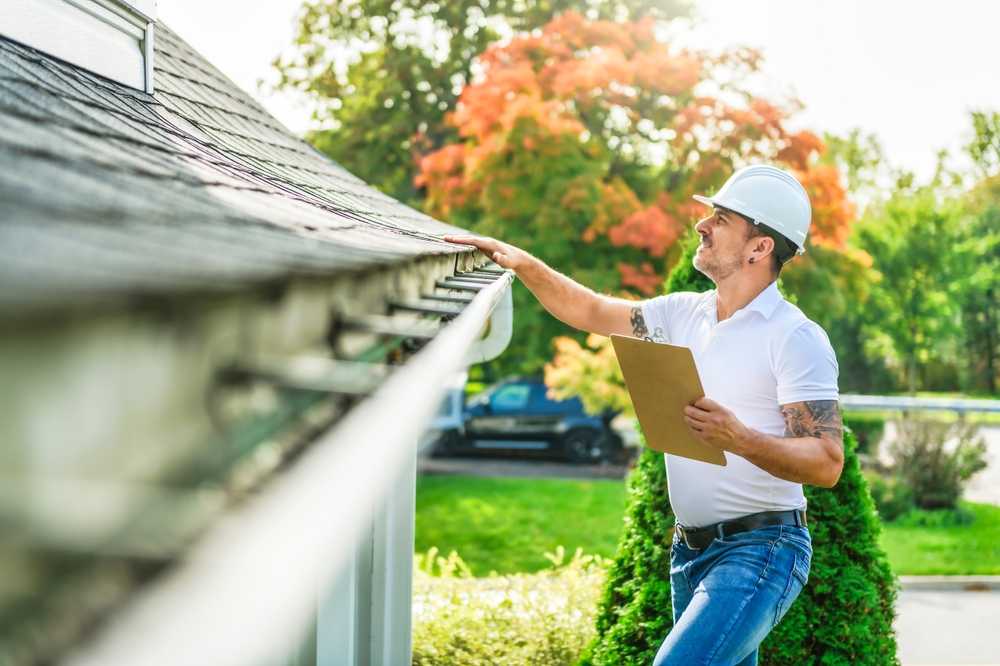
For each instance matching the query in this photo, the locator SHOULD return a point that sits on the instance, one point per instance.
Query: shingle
(106, 191)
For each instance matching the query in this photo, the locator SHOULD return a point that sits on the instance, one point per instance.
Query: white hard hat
(769, 196)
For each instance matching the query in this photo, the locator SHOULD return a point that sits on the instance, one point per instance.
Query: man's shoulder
(795, 328)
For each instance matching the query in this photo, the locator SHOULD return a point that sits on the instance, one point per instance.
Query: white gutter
(246, 591)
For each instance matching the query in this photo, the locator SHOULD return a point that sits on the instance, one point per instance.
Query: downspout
(499, 329)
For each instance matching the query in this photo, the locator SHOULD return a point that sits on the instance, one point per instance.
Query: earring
(751, 260)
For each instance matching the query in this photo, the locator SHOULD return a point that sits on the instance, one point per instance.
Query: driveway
(525, 468)
(985, 486)
(948, 627)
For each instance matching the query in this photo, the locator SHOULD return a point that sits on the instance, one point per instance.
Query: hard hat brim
(711, 201)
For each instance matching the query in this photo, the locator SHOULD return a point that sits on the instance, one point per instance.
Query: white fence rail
(913, 403)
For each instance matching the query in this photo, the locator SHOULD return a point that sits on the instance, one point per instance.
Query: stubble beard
(714, 268)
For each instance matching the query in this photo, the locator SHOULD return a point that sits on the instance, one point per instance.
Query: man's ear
(763, 245)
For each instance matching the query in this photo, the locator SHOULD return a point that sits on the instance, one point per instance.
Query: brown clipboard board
(661, 380)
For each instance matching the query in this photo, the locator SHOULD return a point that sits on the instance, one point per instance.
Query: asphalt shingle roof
(106, 191)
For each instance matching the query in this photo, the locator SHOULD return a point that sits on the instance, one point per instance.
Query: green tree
(861, 159)
(383, 73)
(844, 614)
(913, 313)
(984, 148)
(980, 252)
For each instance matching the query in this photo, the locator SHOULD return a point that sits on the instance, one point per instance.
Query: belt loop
(798, 518)
(718, 530)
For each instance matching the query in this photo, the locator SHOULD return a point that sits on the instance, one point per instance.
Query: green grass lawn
(508, 525)
(957, 549)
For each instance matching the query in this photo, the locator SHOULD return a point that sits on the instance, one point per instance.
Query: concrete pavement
(985, 486)
(948, 627)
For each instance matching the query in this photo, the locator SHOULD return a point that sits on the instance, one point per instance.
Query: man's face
(724, 236)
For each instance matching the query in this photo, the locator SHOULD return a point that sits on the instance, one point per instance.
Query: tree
(984, 148)
(913, 314)
(583, 142)
(383, 73)
(844, 614)
(981, 255)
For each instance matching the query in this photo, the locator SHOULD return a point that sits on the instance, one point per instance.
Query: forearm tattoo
(639, 329)
(813, 418)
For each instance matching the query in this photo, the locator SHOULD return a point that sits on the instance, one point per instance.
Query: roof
(109, 192)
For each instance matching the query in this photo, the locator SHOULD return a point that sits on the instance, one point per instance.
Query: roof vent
(113, 38)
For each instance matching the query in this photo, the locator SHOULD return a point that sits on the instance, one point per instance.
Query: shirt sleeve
(663, 312)
(654, 314)
(806, 366)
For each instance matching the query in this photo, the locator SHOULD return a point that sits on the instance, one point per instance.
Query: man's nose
(702, 226)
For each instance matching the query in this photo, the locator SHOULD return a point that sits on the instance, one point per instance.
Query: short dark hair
(784, 249)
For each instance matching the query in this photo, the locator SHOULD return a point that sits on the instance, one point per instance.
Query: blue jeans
(729, 595)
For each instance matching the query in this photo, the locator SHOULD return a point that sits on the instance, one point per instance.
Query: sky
(907, 71)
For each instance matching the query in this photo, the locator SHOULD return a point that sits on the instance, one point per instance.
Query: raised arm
(567, 300)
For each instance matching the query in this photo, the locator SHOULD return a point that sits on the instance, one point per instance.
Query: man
(741, 550)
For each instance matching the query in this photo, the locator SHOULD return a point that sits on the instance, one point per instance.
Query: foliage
(861, 159)
(892, 497)
(868, 429)
(383, 73)
(934, 459)
(583, 142)
(926, 314)
(984, 148)
(979, 296)
(544, 618)
(913, 314)
(843, 616)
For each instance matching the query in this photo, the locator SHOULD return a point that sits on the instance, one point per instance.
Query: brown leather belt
(700, 537)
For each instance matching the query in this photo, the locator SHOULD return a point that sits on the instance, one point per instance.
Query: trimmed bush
(843, 616)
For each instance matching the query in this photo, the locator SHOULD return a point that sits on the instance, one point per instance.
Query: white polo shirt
(765, 355)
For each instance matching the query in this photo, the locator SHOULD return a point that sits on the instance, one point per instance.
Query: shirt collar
(766, 302)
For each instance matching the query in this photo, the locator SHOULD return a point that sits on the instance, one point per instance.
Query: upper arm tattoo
(639, 329)
(813, 418)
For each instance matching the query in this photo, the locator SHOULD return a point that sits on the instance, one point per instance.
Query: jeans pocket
(803, 562)
(797, 579)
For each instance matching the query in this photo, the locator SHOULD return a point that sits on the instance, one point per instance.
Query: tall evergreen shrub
(843, 616)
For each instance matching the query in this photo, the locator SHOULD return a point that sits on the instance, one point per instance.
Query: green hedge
(868, 429)
(843, 616)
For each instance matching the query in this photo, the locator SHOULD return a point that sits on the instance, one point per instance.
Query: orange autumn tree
(582, 143)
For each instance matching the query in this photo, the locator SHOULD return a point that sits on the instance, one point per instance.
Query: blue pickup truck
(516, 417)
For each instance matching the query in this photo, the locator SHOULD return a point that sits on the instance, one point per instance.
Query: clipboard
(661, 380)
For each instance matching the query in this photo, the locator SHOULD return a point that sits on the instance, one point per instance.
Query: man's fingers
(501, 259)
(487, 245)
(695, 413)
(706, 403)
(694, 425)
